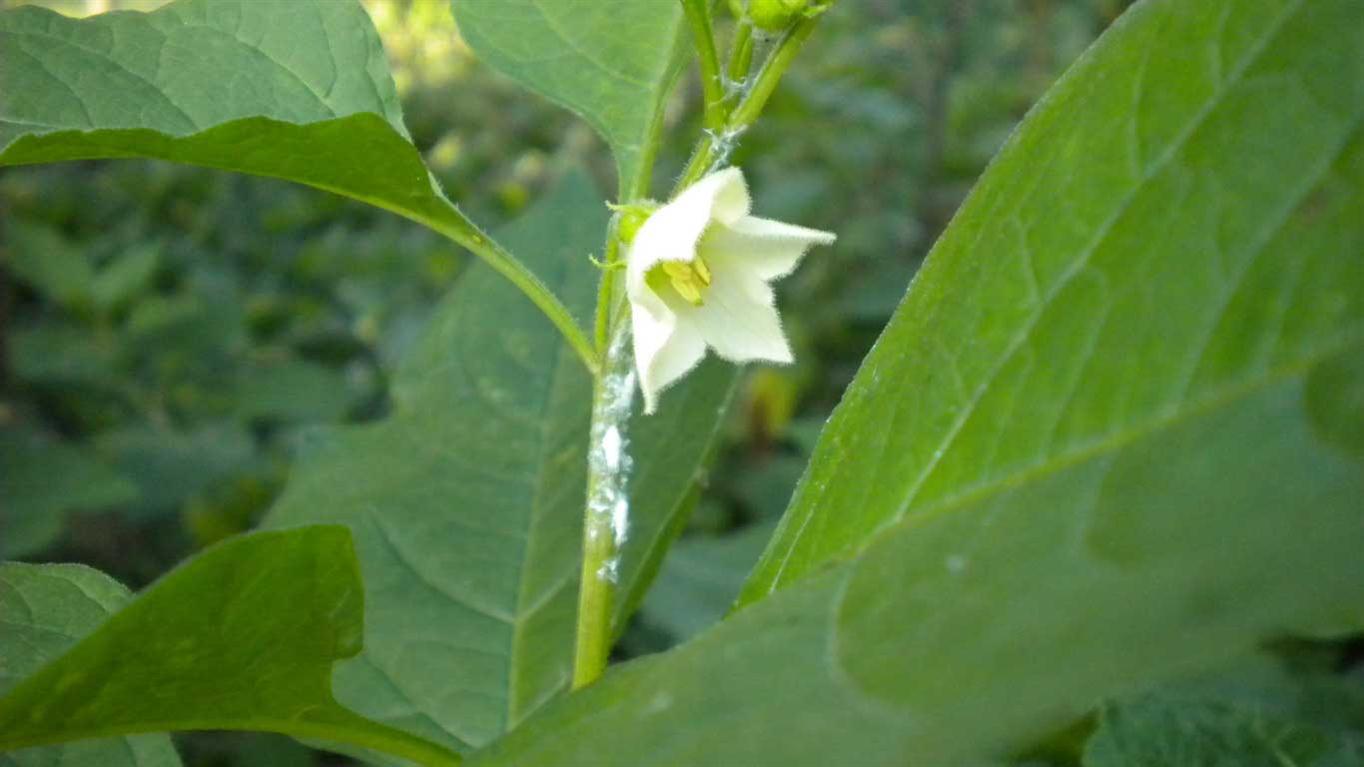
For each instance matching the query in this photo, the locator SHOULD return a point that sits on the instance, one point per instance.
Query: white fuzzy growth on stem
(722, 145)
(609, 462)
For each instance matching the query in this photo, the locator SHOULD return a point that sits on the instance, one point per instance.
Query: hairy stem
(608, 459)
(741, 52)
(606, 288)
(714, 148)
(466, 233)
(765, 83)
(712, 86)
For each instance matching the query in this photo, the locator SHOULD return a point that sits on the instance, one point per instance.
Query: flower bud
(774, 15)
(777, 15)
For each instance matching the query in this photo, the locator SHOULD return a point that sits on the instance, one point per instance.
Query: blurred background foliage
(171, 335)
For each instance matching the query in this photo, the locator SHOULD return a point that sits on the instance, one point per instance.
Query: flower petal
(768, 248)
(728, 193)
(738, 319)
(672, 232)
(664, 352)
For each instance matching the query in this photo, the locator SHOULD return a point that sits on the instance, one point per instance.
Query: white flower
(697, 275)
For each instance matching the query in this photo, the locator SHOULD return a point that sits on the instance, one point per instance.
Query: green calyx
(632, 217)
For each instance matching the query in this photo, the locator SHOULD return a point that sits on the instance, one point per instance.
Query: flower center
(688, 278)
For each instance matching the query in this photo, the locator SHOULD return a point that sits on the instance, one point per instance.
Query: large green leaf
(1114, 433)
(297, 90)
(242, 637)
(44, 609)
(1169, 230)
(467, 503)
(970, 634)
(611, 61)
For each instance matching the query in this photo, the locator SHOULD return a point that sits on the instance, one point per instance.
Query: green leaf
(969, 634)
(152, 84)
(466, 503)
(1111, 436)
(672, 450)
(298, 91)
(45, 609)
(40, 481)
(1267, 719)
(611, 61)
(242, 637)
(1149, 245)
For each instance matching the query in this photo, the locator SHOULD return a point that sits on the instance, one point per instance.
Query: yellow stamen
(688, 278)
(702, 271)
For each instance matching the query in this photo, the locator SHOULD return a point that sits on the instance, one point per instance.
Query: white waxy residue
(620, 521)
(608, 504)
(611, 446)
(609, 570)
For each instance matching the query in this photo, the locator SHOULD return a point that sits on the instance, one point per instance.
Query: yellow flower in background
(697, 276)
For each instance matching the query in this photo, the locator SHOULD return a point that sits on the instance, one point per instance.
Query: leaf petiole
(715, 146)
(461, 230)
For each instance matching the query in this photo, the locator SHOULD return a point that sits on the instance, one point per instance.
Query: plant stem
(608, 461)
(715, 146)
(741, 52)
(746, 113)
(608, 506)
(712, 86)
(466, 233)
(606, 289)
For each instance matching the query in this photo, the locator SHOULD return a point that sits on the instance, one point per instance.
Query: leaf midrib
(1253, 55)
(1083, 259)
(1178, 412)
(1117, 441)
(520, 612)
